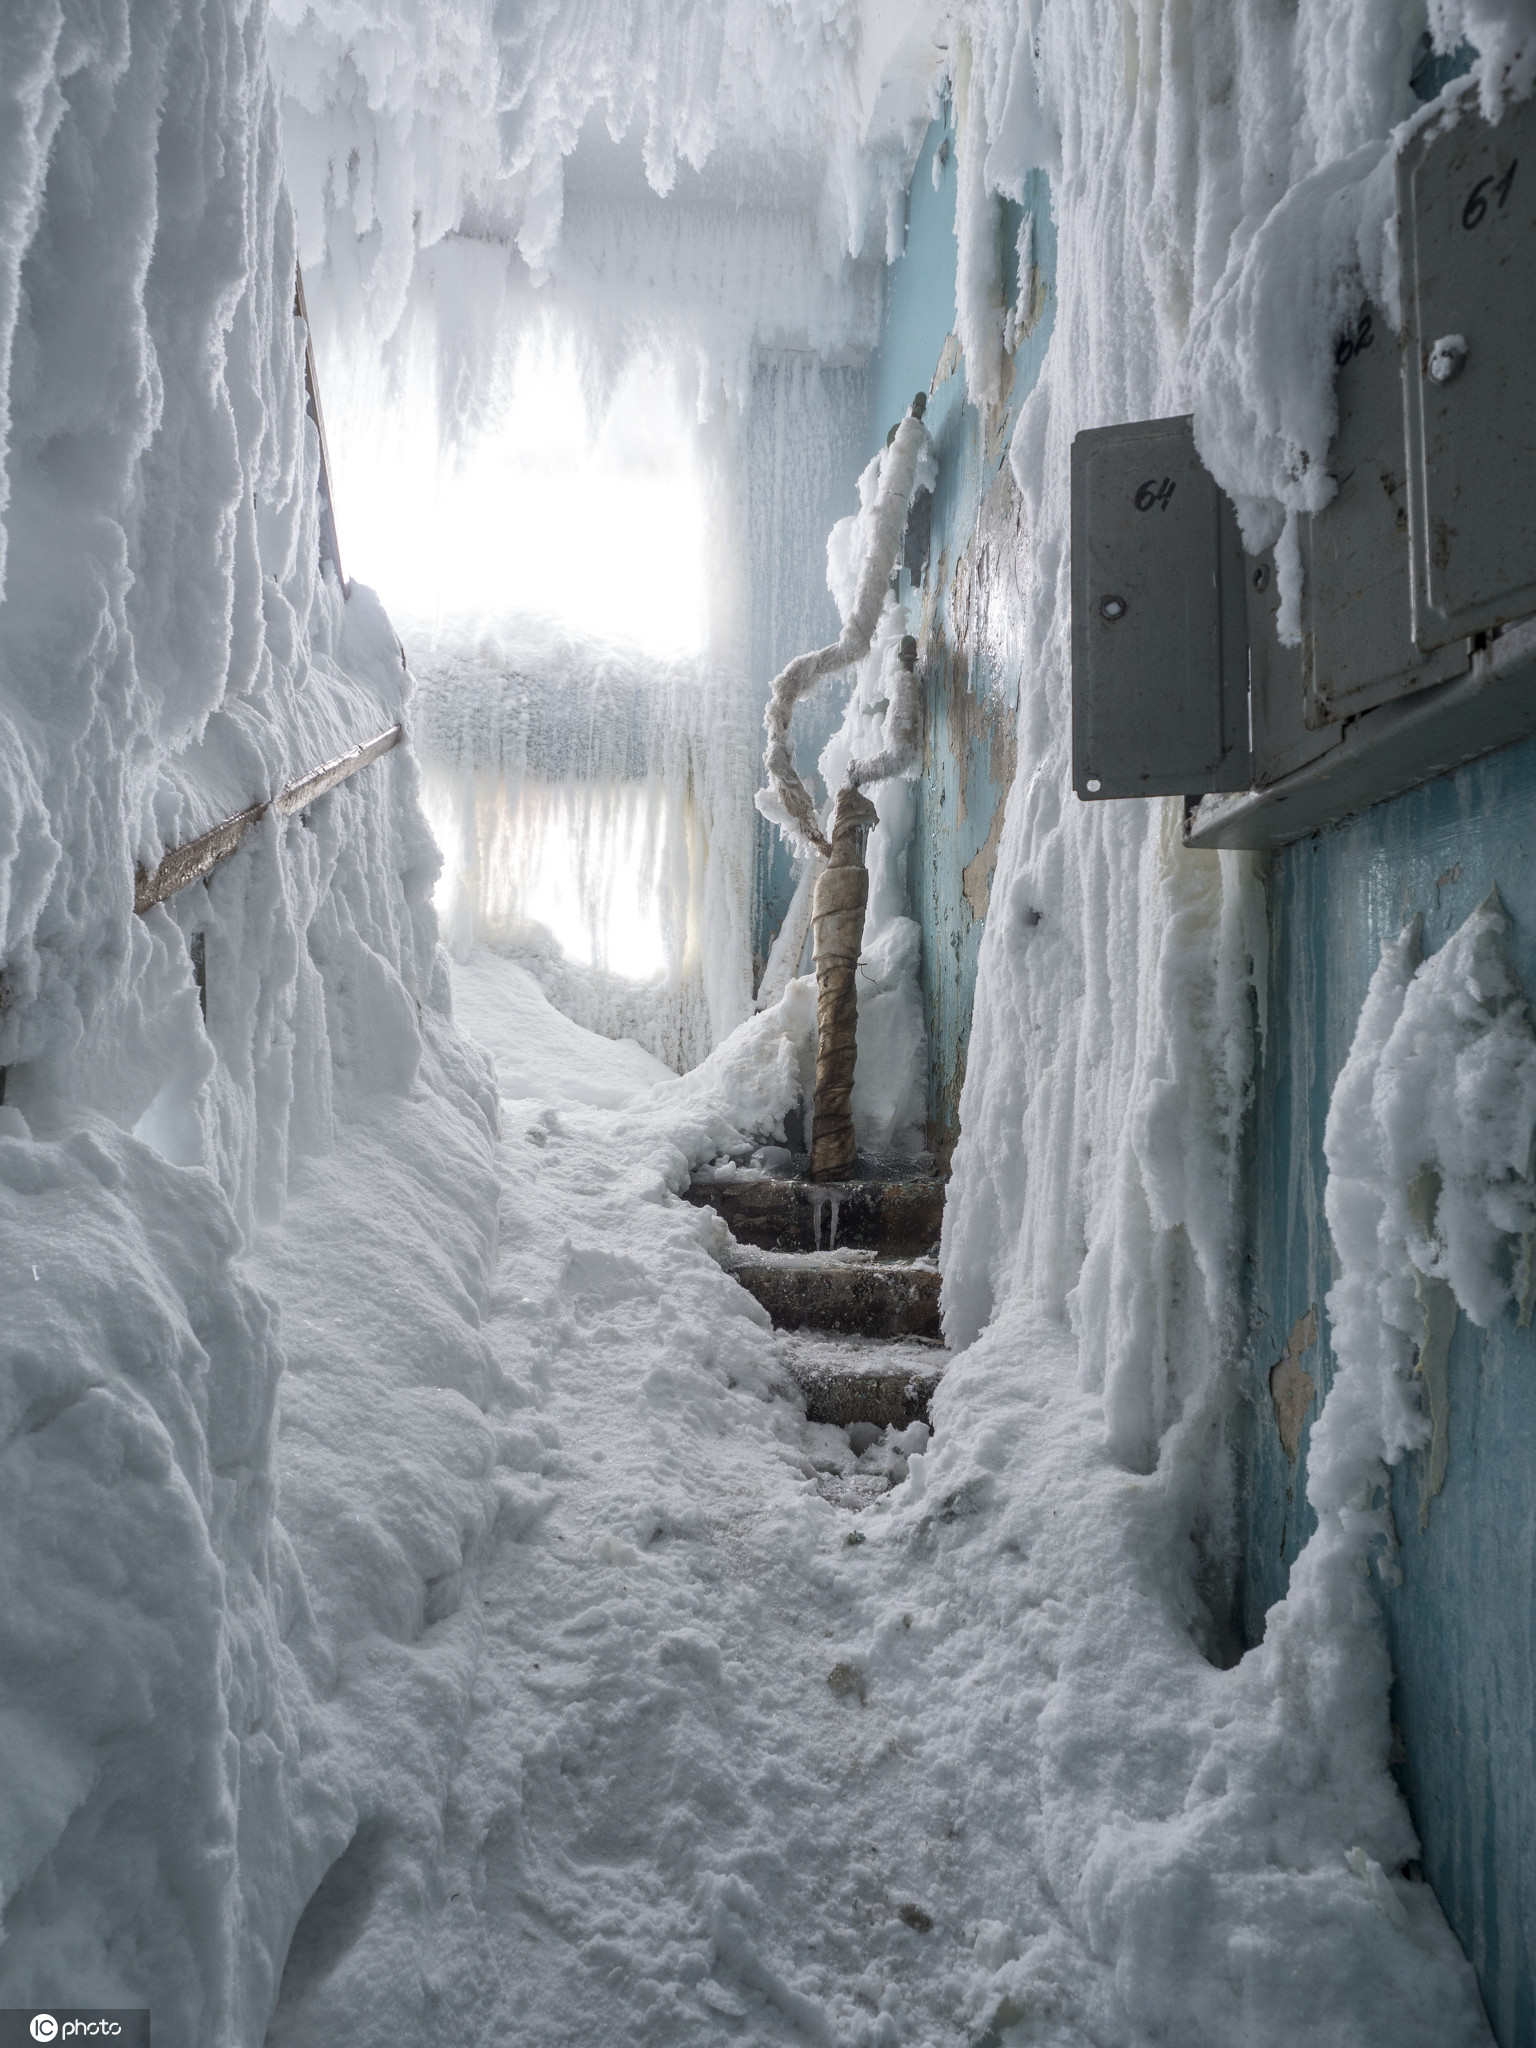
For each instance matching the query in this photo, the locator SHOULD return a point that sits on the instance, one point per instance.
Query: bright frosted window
(586, 861)
(601, 530)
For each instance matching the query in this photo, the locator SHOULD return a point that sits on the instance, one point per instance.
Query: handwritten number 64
(1476, 209)
(1154, 493)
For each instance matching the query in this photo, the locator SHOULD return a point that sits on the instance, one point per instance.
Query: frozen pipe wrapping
(842, 894)
(902, 748)
(786, 800)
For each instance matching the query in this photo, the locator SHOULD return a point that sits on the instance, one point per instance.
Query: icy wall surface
(1220, 179)
(403, 128)
(188, 1603)
(1455, 1549)
(689, 240)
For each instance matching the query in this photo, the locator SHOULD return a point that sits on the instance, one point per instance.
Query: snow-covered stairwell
(284, 1202)
(422, 1619)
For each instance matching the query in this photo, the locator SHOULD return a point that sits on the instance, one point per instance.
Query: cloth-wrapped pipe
(787, 799)
(842, 893)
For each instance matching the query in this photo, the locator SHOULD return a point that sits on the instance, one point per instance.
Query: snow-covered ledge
(1386, 751)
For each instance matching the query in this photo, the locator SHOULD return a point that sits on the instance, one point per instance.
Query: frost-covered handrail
(898, 478)
(189, 863)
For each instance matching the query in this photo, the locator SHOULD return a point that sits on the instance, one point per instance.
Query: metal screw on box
(1447, 357)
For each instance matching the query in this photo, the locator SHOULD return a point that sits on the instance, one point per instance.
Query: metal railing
(198, 857)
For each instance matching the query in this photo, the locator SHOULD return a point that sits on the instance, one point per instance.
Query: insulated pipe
(842, 893)
(898, 478)
(903, 735)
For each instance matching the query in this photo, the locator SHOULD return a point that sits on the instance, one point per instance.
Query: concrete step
(898, 1218)
(887, 1383)
(853, 1292)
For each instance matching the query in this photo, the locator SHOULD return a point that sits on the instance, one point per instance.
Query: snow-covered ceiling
(525, 124)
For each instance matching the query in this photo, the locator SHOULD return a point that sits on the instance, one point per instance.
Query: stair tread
(885, 1380)
(856, 1258)
(899, 1215)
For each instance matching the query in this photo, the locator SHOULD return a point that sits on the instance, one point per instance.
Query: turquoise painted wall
(1461, 1616)
(971, 675)
(1462, 1624)
(805, 448)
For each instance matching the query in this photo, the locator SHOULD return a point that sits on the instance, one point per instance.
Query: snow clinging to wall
(186, 1751)
(1221, 181)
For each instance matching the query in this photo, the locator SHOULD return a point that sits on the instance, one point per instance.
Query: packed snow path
(729, 1772)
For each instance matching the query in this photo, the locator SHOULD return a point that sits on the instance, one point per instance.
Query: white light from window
(596, 891)
(602, 532)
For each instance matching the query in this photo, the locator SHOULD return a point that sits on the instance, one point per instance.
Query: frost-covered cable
(788, 801)
(903, 734)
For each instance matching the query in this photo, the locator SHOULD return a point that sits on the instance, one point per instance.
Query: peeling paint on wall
(1460, 1602)
(977, 876)
(1433, 1369)
(1292, 1388)
(965, 587)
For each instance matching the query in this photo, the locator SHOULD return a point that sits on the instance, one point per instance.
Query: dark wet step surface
(895, 1218)
(882, 1383)
(855, 1293)
(849, 1273)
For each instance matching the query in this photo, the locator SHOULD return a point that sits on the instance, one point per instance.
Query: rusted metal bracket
(189, 863)
(330, 546)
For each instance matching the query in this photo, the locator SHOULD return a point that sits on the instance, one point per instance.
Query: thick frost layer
(367, 1681)
(1220, 186)
(208, 1620)
(890, 1082)
(1224, 198)
(860, 572)
(1221, 182)
(399, 127)
(1429, 1181)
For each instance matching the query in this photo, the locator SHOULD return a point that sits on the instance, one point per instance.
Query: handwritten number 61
(1476, 209)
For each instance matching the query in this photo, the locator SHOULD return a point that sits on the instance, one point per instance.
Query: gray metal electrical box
(1466, 197)
(1282, 740)
(1159, 625)
(1356, 609)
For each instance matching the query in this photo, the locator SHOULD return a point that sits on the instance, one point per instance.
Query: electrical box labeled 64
(1159, 624)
